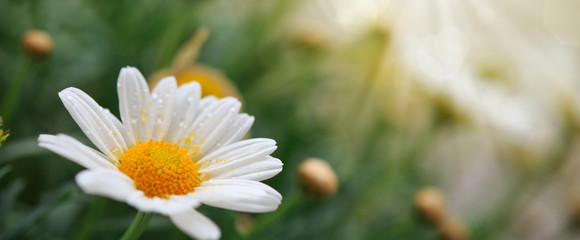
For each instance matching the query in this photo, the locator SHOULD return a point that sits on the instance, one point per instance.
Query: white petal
(196, 225)
(174, 204)
(119, 125)
(134, 99)
(75, 151)
(235, 131)
(213, 121)
(161, 111)
(207, 102)
(92, 119)
(238, 194)
(187, 100)
(237, 155)
(257, 171)
(107, 183)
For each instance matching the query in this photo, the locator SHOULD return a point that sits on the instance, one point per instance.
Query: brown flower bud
(37, 44)
(318, 177)
(430, 202)
(453, 228)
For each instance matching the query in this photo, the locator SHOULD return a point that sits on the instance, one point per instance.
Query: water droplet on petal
(160, 118)
(190, 137)
(143, 114)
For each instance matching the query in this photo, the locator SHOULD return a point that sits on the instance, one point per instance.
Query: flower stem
(10, 100)
(138, 226)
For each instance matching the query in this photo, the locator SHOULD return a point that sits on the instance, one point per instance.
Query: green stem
(85, 226)
(11, 98)
(138, 226)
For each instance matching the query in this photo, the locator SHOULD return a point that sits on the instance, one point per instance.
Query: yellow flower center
(160, 169)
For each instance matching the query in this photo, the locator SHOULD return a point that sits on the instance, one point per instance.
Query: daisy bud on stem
(452, 228)
(318, 178)
(37, 44)
(430, 203)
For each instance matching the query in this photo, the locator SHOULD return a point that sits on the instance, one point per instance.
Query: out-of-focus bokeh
(395, 119)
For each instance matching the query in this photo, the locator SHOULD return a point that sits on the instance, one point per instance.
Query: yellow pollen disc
(160, 169)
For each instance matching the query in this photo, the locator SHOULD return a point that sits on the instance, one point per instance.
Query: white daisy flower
(172, 151)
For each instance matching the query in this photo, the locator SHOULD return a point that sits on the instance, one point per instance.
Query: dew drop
(117, 152)
(190, 99)
(143, 114)
(160, 118)
(190, 137)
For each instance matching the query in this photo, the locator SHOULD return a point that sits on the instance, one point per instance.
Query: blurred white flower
(496, 60)
(172, 151)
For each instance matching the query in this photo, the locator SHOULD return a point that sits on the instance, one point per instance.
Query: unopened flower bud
(318, 177)
(453, 228)
(37, 44)
(430, 203)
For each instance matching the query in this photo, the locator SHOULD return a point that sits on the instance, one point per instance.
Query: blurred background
(440, 119)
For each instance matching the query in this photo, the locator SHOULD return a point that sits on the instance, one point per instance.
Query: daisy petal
(207, 102)
(236, 155)
(120, 127)
(187, 100)
(257, 171)
(196, 225)
(94, 122)
(134, 99)
(188, 138)
(74, 150)
(174, 204)
(235, 132)
(161, 111)
(213, 122)
(107, 183)
(238, 194)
